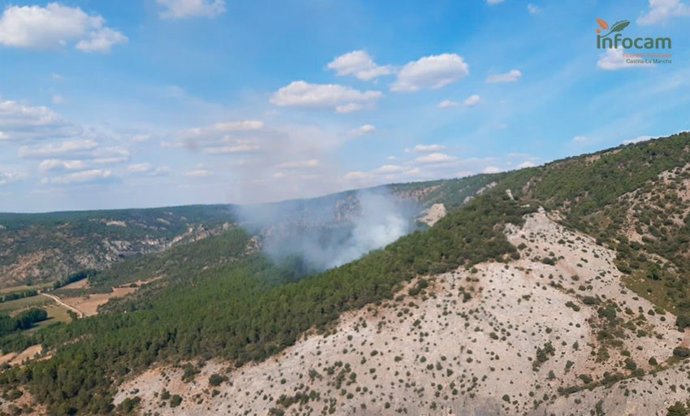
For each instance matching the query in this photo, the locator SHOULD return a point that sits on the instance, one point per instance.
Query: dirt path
(61, 303)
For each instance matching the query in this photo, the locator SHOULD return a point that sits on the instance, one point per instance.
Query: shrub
(681, 352)
(175, 400)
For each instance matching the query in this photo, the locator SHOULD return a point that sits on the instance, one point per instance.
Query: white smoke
(328, 232)
(379, 223)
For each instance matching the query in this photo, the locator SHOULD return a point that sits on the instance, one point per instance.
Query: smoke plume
(322, 233)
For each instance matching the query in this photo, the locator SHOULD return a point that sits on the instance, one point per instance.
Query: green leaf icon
(619, 26)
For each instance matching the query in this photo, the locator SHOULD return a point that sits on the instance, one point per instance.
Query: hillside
(36, 249)
(560, 289)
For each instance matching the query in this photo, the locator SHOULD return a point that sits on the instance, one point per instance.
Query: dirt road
(61, 303)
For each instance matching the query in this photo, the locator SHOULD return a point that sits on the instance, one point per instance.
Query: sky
(142, 103)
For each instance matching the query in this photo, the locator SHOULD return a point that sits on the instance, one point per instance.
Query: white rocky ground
(466, 346)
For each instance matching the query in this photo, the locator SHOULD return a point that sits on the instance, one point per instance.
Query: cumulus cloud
(101, 40)
(20, 122)
(435, 158)
(448, 104)
(662, 10)
(491, 169)
(363, 130)
(614, 59)
(183, 9)
(432, 72)
(358, 64)
(55, 26)
(510, 76)
(471, 101)
(338, 97)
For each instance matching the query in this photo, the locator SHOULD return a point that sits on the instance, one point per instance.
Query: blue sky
(113, 104)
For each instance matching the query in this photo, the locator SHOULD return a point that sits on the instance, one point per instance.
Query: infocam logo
(614, 39)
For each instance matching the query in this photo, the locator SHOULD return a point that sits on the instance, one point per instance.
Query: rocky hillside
(530, 336)
(38, 248)
(560, 289)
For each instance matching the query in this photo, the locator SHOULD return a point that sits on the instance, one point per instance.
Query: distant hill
(556, 289)
(44, 248)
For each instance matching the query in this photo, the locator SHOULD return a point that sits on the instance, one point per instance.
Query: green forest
(221, 299)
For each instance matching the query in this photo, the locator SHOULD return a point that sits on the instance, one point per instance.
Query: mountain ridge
(200, 315)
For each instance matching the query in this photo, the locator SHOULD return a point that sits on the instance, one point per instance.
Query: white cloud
(471, 101)
(220, 138)
(57, 99)
(300, 164)
(109, 155)
(364, 130)
(357, 176)
(428, 148)
(55, 26)
(662, 10)
(146, 169)
(21, 122)
(491, 169)
(389, 169)
(510, 76)
(348, 108)
(448, 104)
(223, 128)
(101, 41)
(338, 97)
(57, 164)
(533, 9)
(198, 173)
(433, 72)
(435, 158)
(242, 146)
(7, 178)
(69, 148)
(493, 2)
(358, 64)
(93, 175)
(182, 9)
(614, 59)
(139, 168)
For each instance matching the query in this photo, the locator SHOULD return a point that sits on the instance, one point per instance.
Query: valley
(539, 291)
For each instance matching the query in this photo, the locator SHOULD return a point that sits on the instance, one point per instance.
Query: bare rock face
(555, 332)
(433, 214)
